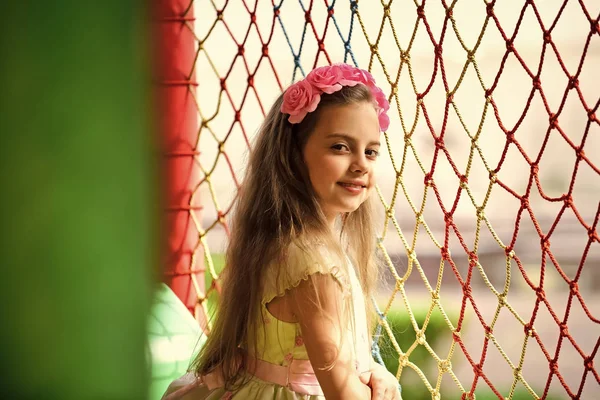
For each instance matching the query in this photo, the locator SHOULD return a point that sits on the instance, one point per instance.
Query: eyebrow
(348, 138)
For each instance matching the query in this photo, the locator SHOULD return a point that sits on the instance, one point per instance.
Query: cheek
(319, 174)
(372, 179)
(335, 164)
(327, 169)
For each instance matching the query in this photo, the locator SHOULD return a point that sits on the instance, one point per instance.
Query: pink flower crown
(304, 96)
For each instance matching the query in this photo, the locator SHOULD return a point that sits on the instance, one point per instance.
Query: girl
(292, 320)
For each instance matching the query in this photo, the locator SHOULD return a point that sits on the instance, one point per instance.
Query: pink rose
(352, 76)
(384, 121)
(380, 98)
(383, 106)
(326, 78)
(300, 99)
(367, 78)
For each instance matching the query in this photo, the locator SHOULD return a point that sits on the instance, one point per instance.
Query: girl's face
(340, 155)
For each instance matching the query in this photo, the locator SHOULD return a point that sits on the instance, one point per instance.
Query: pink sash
(299, 376)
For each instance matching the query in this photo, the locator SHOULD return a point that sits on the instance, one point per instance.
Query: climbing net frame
(253, 50)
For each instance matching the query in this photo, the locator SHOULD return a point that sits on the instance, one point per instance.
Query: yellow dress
(284, 348)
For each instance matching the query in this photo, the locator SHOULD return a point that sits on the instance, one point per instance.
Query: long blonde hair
(276, 206)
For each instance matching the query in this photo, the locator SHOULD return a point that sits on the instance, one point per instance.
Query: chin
(350, 208)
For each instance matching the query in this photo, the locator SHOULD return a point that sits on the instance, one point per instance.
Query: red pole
(179, 130)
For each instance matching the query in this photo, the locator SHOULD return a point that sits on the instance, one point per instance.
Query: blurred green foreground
(79, 233)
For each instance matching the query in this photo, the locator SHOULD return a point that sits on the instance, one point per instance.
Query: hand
(384, 385)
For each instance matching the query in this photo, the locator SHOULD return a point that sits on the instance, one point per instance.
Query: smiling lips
(354, 187)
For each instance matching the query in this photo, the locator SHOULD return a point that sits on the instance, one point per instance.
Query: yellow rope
(443, 363)
(400, 194)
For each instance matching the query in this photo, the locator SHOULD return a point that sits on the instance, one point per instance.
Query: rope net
(490, 198)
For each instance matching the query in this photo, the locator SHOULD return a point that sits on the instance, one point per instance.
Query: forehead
(356, 120)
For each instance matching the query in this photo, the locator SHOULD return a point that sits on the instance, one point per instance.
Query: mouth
(352, 188)
(352, 185)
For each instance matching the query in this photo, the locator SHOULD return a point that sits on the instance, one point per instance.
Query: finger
(388, 395)
(365, 377)
(378, 392)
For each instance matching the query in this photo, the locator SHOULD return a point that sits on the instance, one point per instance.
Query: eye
(372, 153)
(340, 147)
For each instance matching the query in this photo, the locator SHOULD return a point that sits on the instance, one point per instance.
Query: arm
(321, 332)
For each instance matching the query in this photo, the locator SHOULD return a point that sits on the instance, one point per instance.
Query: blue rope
(347, 45)
(375, 350)
(297, 60)
(289, 42)
(348, 53)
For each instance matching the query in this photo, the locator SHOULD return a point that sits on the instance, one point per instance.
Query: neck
(331, 220)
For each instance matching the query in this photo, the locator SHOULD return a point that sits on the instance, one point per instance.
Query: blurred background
(125, 127)
(397, 42)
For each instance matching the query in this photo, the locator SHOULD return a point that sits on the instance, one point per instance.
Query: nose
(360, 164)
